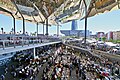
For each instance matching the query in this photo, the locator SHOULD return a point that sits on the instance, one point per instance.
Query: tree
(104, 39)
(111, 40)
(2, 30)
(118, 41)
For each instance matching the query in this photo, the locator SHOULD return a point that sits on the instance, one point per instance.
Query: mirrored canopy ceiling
(56, 11)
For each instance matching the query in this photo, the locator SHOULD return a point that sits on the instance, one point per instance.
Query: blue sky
(106, 22)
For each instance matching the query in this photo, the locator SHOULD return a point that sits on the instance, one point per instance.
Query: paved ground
(73, 75)
(39, 76)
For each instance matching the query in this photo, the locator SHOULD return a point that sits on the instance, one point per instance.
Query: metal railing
(22, 40)
(13, 43)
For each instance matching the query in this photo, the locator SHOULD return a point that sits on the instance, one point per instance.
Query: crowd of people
(23, 65)
(104, 66)
(60, 63)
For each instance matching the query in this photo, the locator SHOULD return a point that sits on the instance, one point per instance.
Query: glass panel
(47, 7)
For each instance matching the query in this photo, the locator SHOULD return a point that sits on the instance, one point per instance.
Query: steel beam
(33, 17)
(36, 9)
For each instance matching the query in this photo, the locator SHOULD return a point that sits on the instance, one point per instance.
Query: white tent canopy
(110, 44)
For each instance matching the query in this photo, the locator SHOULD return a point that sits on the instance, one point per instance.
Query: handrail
(22, 42)
(14, 43)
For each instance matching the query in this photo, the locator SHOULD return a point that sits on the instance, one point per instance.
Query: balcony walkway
(19, 48)
(98, 53)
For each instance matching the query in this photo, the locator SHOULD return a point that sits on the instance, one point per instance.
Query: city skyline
(103, 22)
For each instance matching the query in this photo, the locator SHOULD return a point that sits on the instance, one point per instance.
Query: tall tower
(74, 25)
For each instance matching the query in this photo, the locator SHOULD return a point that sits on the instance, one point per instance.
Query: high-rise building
(109, 35)
(116, 35)
(74, 31)
(74, 25)
(100, 34)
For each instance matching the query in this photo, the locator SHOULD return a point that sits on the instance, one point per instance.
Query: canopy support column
(85, 22)
(13, 23)
(36, 24)
(34, 52)
(57, 30)
(46, 27)
(14, 29)
(23, 26)
(37, 29)
(43, 28)
(21, 16)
